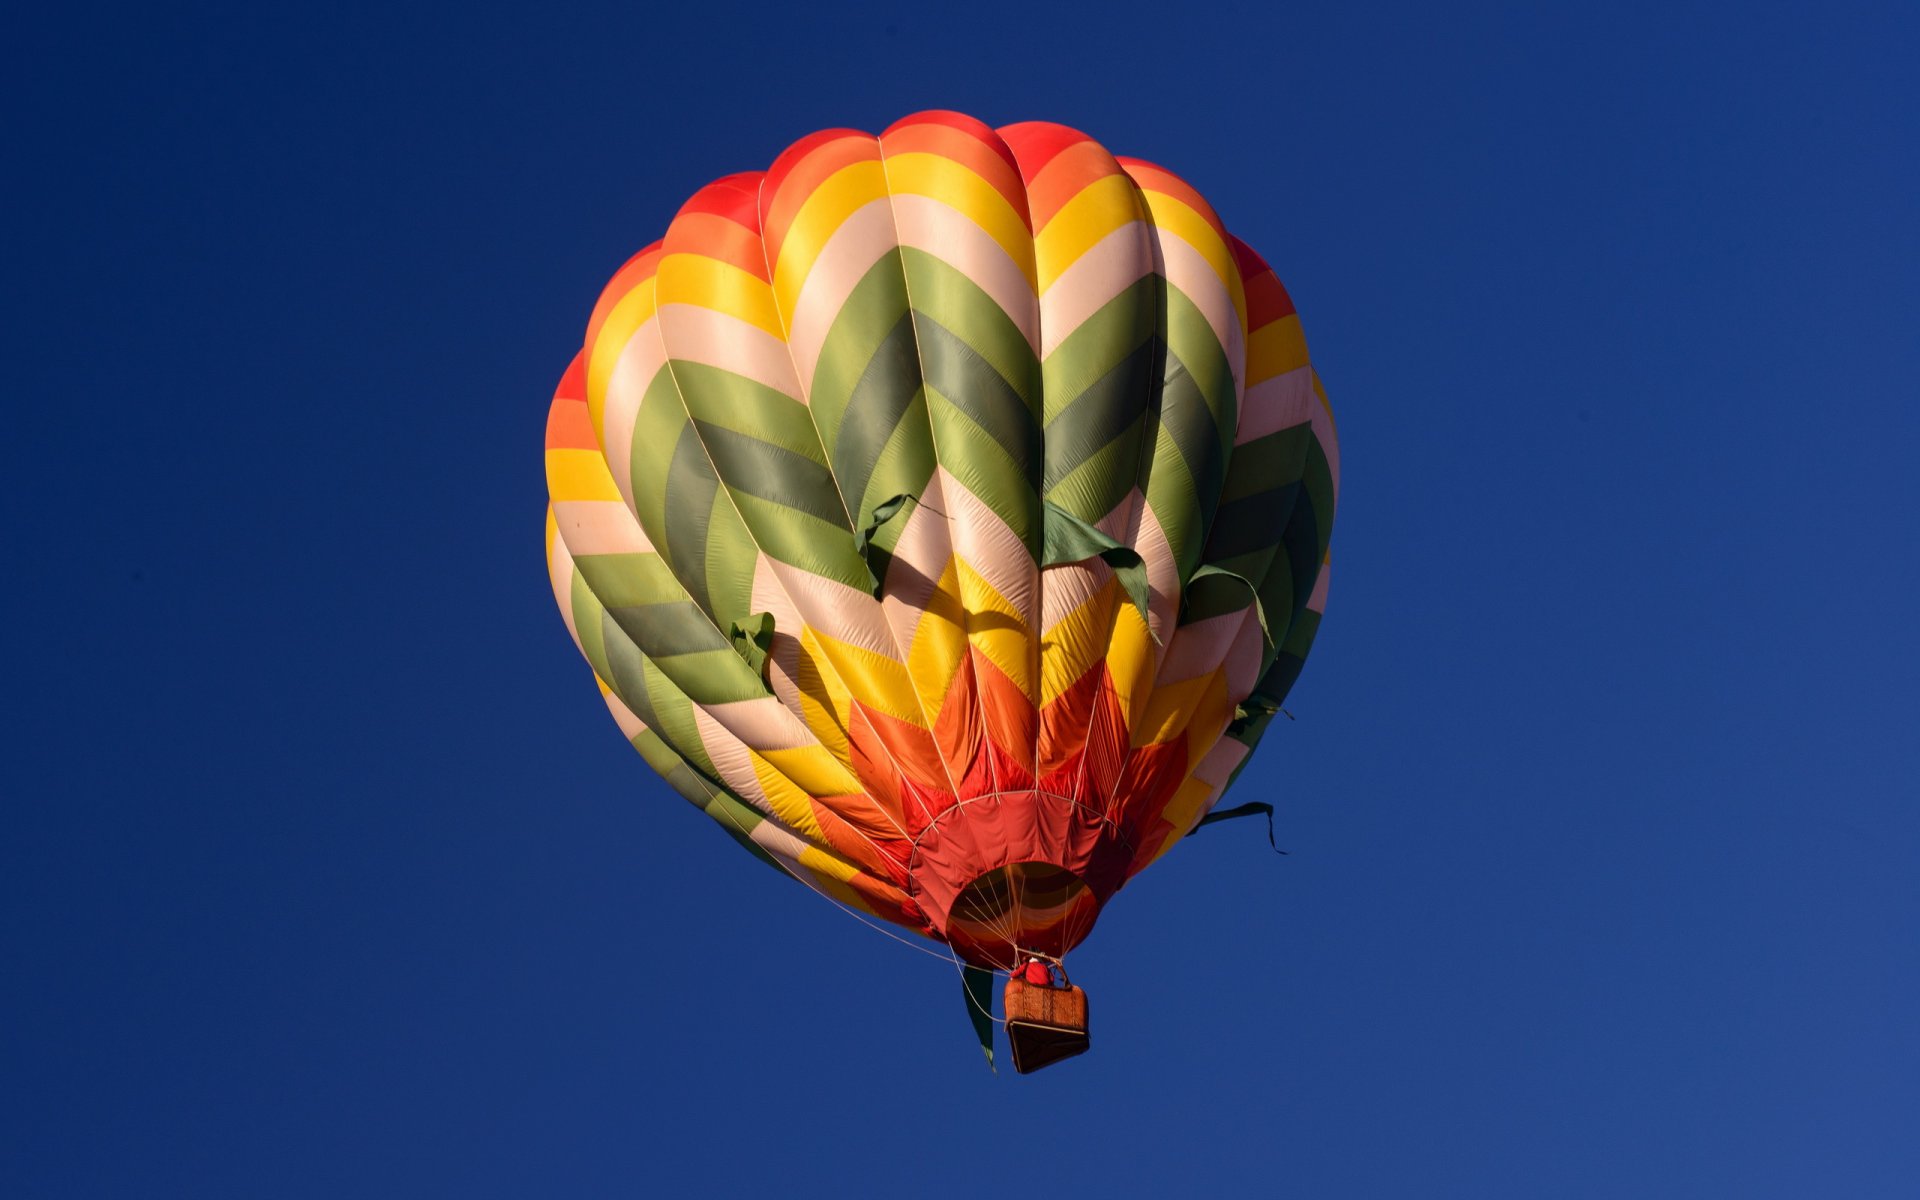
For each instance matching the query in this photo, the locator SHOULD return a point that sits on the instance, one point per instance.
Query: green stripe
(1104, 412)
(1250, 523)
(981, 464)
(587, 615)
(664, 630)
(773, 473)
(716, 397)
(657, 430)
(1189, 422)
(947, 297)
(693, 486)
(1100, 343)
(1266, 463)
(879, 404)
(627, 579)
(973, 385)
(869, 316)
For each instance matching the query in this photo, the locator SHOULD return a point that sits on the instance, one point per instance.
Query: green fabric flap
(753, 641)
(883, 512)
(1071, 540)
(1210, 577)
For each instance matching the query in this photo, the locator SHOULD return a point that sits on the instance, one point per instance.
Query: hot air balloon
(946, 514)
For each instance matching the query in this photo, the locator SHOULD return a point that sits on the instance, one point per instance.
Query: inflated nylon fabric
(821, 472)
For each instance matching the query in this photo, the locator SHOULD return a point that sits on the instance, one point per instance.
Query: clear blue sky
(321, 862)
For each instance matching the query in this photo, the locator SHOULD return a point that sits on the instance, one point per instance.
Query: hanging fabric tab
(1251, 808)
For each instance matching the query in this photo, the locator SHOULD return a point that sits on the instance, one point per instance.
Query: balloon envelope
(946, 514)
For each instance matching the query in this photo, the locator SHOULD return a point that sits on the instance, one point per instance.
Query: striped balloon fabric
(946, 514)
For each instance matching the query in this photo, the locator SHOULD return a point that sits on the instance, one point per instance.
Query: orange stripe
(1152, 178)
(1070, 172)
(799, 152)
(1037, 143)
(801, 178)
(735, 197)
(569, 425)
(965, 144)
(720, 238)
(636, 271)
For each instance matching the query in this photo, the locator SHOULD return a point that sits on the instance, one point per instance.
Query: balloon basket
(1044, 1023)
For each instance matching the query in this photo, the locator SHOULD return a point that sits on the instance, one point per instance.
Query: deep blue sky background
(324, 873)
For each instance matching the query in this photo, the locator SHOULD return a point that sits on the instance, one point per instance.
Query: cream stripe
(763, 724)
(920, 558)
(862, 240)
(629, 721)
(988, 545)
(1163, 578)
(1096, 277)
(599, 527)
(1275, 404)
(560, 574)
(1064, 588)
(952, 236)
(1217, 765)
(1318, 601)
(1200, 647)
(1187, 269)
(1243, 656)
(718, 339)
(769, 597)
(634, 371)
(832, 608)
(1324, 431)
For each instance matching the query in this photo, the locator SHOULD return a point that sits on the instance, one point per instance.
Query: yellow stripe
(812, 769)
(626, 317)
(880, 682)
(1099, 209)
(789, 803)
(1207, 724)
(1274, 349)
(955, 185)
(709, 283)
(825, 704)
(1004, 642)
(825, 209)
(1173, 705)
(1077, 641)
(579, 475)
(1130, 662)
(939, 641)
(1183, 810)
(1175, 217)
(833, 867)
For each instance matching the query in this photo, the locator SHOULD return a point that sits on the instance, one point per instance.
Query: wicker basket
(1044, 1024)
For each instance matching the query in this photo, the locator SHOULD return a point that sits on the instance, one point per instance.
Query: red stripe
(636, 271)
(1035, 143)
(800, 171)
(991, 162)
(1267, 300)
(569, 426)
(735, 197)
(1158, 179)
(792, 155)
(980, 131)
